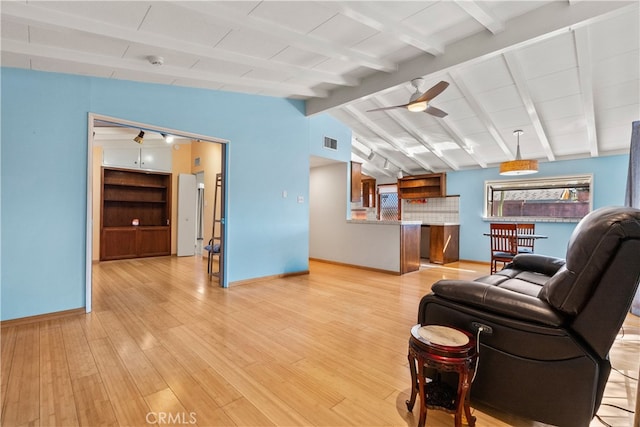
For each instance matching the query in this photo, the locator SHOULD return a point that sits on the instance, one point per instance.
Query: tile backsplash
(432, 210)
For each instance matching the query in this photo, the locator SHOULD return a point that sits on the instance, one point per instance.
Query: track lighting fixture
(371, 155)
(167, 138)
(140, 138)
(386, 164)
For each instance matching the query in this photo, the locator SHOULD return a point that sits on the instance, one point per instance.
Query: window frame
(535, 183)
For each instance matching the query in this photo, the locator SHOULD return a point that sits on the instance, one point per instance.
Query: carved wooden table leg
(414, 381)
(444, 349)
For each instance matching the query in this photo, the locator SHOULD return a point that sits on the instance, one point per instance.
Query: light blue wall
(325, 125)
(43, 177)
(610, 177)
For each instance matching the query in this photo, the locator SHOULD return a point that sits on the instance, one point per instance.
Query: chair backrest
(597, 284)
(526, 228)
(503, 237)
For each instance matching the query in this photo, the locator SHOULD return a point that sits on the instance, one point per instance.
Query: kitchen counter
(376, 222)
(392, 246)
(403, 222)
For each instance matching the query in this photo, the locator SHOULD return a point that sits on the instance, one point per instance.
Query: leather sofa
(548, 323)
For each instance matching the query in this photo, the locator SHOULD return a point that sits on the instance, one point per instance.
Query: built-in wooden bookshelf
(422, 186)
(135, 214)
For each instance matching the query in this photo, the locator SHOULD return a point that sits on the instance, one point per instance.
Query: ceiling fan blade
(433, 92)
(435, 111)
(388, 108)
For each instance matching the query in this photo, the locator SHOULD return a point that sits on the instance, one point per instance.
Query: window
(566, 198)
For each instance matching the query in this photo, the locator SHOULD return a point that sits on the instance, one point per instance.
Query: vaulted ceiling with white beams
(566, 72)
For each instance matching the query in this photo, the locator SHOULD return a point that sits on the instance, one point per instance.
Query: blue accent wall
(609, 175)
(44, 166)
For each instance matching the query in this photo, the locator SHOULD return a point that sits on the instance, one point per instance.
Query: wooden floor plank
(22, 402)
(57, 405)
(128, 404)
(92, 401)
(7, 347)
(186, 389)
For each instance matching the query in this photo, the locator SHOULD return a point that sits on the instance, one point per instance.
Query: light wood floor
(164, 346)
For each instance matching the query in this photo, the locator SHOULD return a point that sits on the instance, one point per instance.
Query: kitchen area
(427, 218)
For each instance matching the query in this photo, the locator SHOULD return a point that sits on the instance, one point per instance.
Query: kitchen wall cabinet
(422, 186)
(130, 196)
(368, 192)
(356, 182)
(147, 158)
(444, 243)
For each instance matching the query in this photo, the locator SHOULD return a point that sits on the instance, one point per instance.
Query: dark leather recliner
(552, 321)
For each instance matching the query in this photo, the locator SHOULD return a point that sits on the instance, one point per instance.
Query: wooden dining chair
(504, 243)
(525, 245)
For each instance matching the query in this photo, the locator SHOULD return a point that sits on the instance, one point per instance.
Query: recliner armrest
(536, 263)
(498, 300)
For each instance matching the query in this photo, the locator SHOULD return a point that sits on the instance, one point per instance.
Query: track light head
(140, 138)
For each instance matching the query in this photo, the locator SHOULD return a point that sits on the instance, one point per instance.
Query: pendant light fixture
(518, 166)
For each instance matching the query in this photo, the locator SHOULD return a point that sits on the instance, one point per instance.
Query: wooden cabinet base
(134, 242)
(445, 244)
(409, 248)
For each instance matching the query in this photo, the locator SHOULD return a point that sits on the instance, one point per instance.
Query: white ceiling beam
(370, 15)
(481, 14)
(400, 119)
(388, 138)
(109, 62)
(585, 72)
(540, 24)
(272, 31)
(525, 95)
(481, 112)
(457, 137)
(50, 18)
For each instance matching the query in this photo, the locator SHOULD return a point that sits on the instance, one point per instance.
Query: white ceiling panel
(555, 85)
(548, 56)
(224, 67)
(70, 39)
(504, 98)
(615, 36)
(615, 139)
(127, 14)
(438, 16)
(14, 30)
(616, 69)
(250, 43)
(294, 56)
(566, 72)
(487, 75)
(619, 95)
(559, 108)
(343, 31)
(180, 23)
(302, 17)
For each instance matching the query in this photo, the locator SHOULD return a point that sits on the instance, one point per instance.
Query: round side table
(445, 349)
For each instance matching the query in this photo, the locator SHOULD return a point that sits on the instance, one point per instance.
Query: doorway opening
(122, 145)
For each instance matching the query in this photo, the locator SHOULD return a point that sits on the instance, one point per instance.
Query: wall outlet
(300, 199)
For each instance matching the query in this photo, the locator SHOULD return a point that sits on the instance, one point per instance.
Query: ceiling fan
(420, 102)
